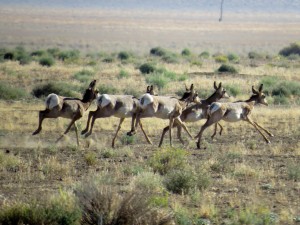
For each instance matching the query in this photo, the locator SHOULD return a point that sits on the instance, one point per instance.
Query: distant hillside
(270, 6)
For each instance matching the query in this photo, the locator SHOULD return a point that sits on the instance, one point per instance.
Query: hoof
(36, 132)
(131, 133)
(268, 142)
(87, 134)
(83, 132)
(272, 135)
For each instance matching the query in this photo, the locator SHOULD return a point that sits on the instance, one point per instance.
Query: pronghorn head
(189, 95)
(150, 90)
(90, 93)
(220, 90)
(258, 96)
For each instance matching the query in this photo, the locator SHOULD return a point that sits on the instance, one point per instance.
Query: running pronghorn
(165, 107)
(66, 107)
(236, 111)
(121, 106)
(198, 111)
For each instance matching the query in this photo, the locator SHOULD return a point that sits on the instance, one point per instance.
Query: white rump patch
(51, 101)
(214, 107)
(103, 100)
(145, 100)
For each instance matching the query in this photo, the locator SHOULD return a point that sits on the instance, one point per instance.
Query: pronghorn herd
(189, 108)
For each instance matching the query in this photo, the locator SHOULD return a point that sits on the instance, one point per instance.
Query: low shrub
(221, 59)
(255, 55)
(225, 68)
(158, 51)
(108, 59)
(62, 89)
(124, 55)
(104, 89)
(168, 159)
(54, 52)
(127, 140)
(293, 49)
(158, 80)
(103, 205)
(186, 52)
(204, 55)
(233, 57)
(294, 171)
(46, 61)
(8, 92)
(170, 58)
(38, 53)
(147, 68)
(69, 56)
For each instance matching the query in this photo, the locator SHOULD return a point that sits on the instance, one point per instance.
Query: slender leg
(254, 125)
(208, 123)
(170, 130)
(41, 118)
(132, 131)
(68, 129)
(264, 129)
(180, 123)
(215, 131)
(146, 136)
(119, 127)
(91, 114)
(221, 129)
(179, 129)
(76, 131)
(92, 125)
(165, 130)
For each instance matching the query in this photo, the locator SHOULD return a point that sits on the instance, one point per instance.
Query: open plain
(236, 179)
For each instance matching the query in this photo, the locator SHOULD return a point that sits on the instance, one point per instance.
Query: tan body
(234, 112)
(164, 108)
(121, 106)
(197, 111)
(65, 107)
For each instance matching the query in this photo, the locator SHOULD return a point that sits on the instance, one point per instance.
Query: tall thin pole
(221, 11)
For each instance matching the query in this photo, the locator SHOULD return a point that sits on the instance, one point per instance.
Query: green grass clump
(294, 171)
(60, 209)
(225, 68)
(104, 89)
(123, 74)
(8, 92)
(69, 56)
(255, 55)
(293, 49)
(47, 61)
(168, 159)
(221, 58)
(233, 90)
(185, 180)
(84, 75)
(124, 55)
(63, 89)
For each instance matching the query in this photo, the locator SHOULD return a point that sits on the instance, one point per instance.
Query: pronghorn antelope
(121, 106)
(70, 108)
(198, 111)
(236, 111)
(165, 108)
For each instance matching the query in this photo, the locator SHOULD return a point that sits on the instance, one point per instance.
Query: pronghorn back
(52, 101)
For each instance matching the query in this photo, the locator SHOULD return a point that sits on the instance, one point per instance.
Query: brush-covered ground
(237, 179)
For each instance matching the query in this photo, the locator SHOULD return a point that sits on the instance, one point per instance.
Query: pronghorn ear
(148, 88)
(254, 91)
(151, 88)
(192, 87)
(186, 88)
(215, 85)
(220, 84)
(261, 88)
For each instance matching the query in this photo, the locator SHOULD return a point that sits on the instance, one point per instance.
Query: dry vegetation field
(237, 179)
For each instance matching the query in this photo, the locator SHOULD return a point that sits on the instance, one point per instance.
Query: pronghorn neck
(213, 98)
